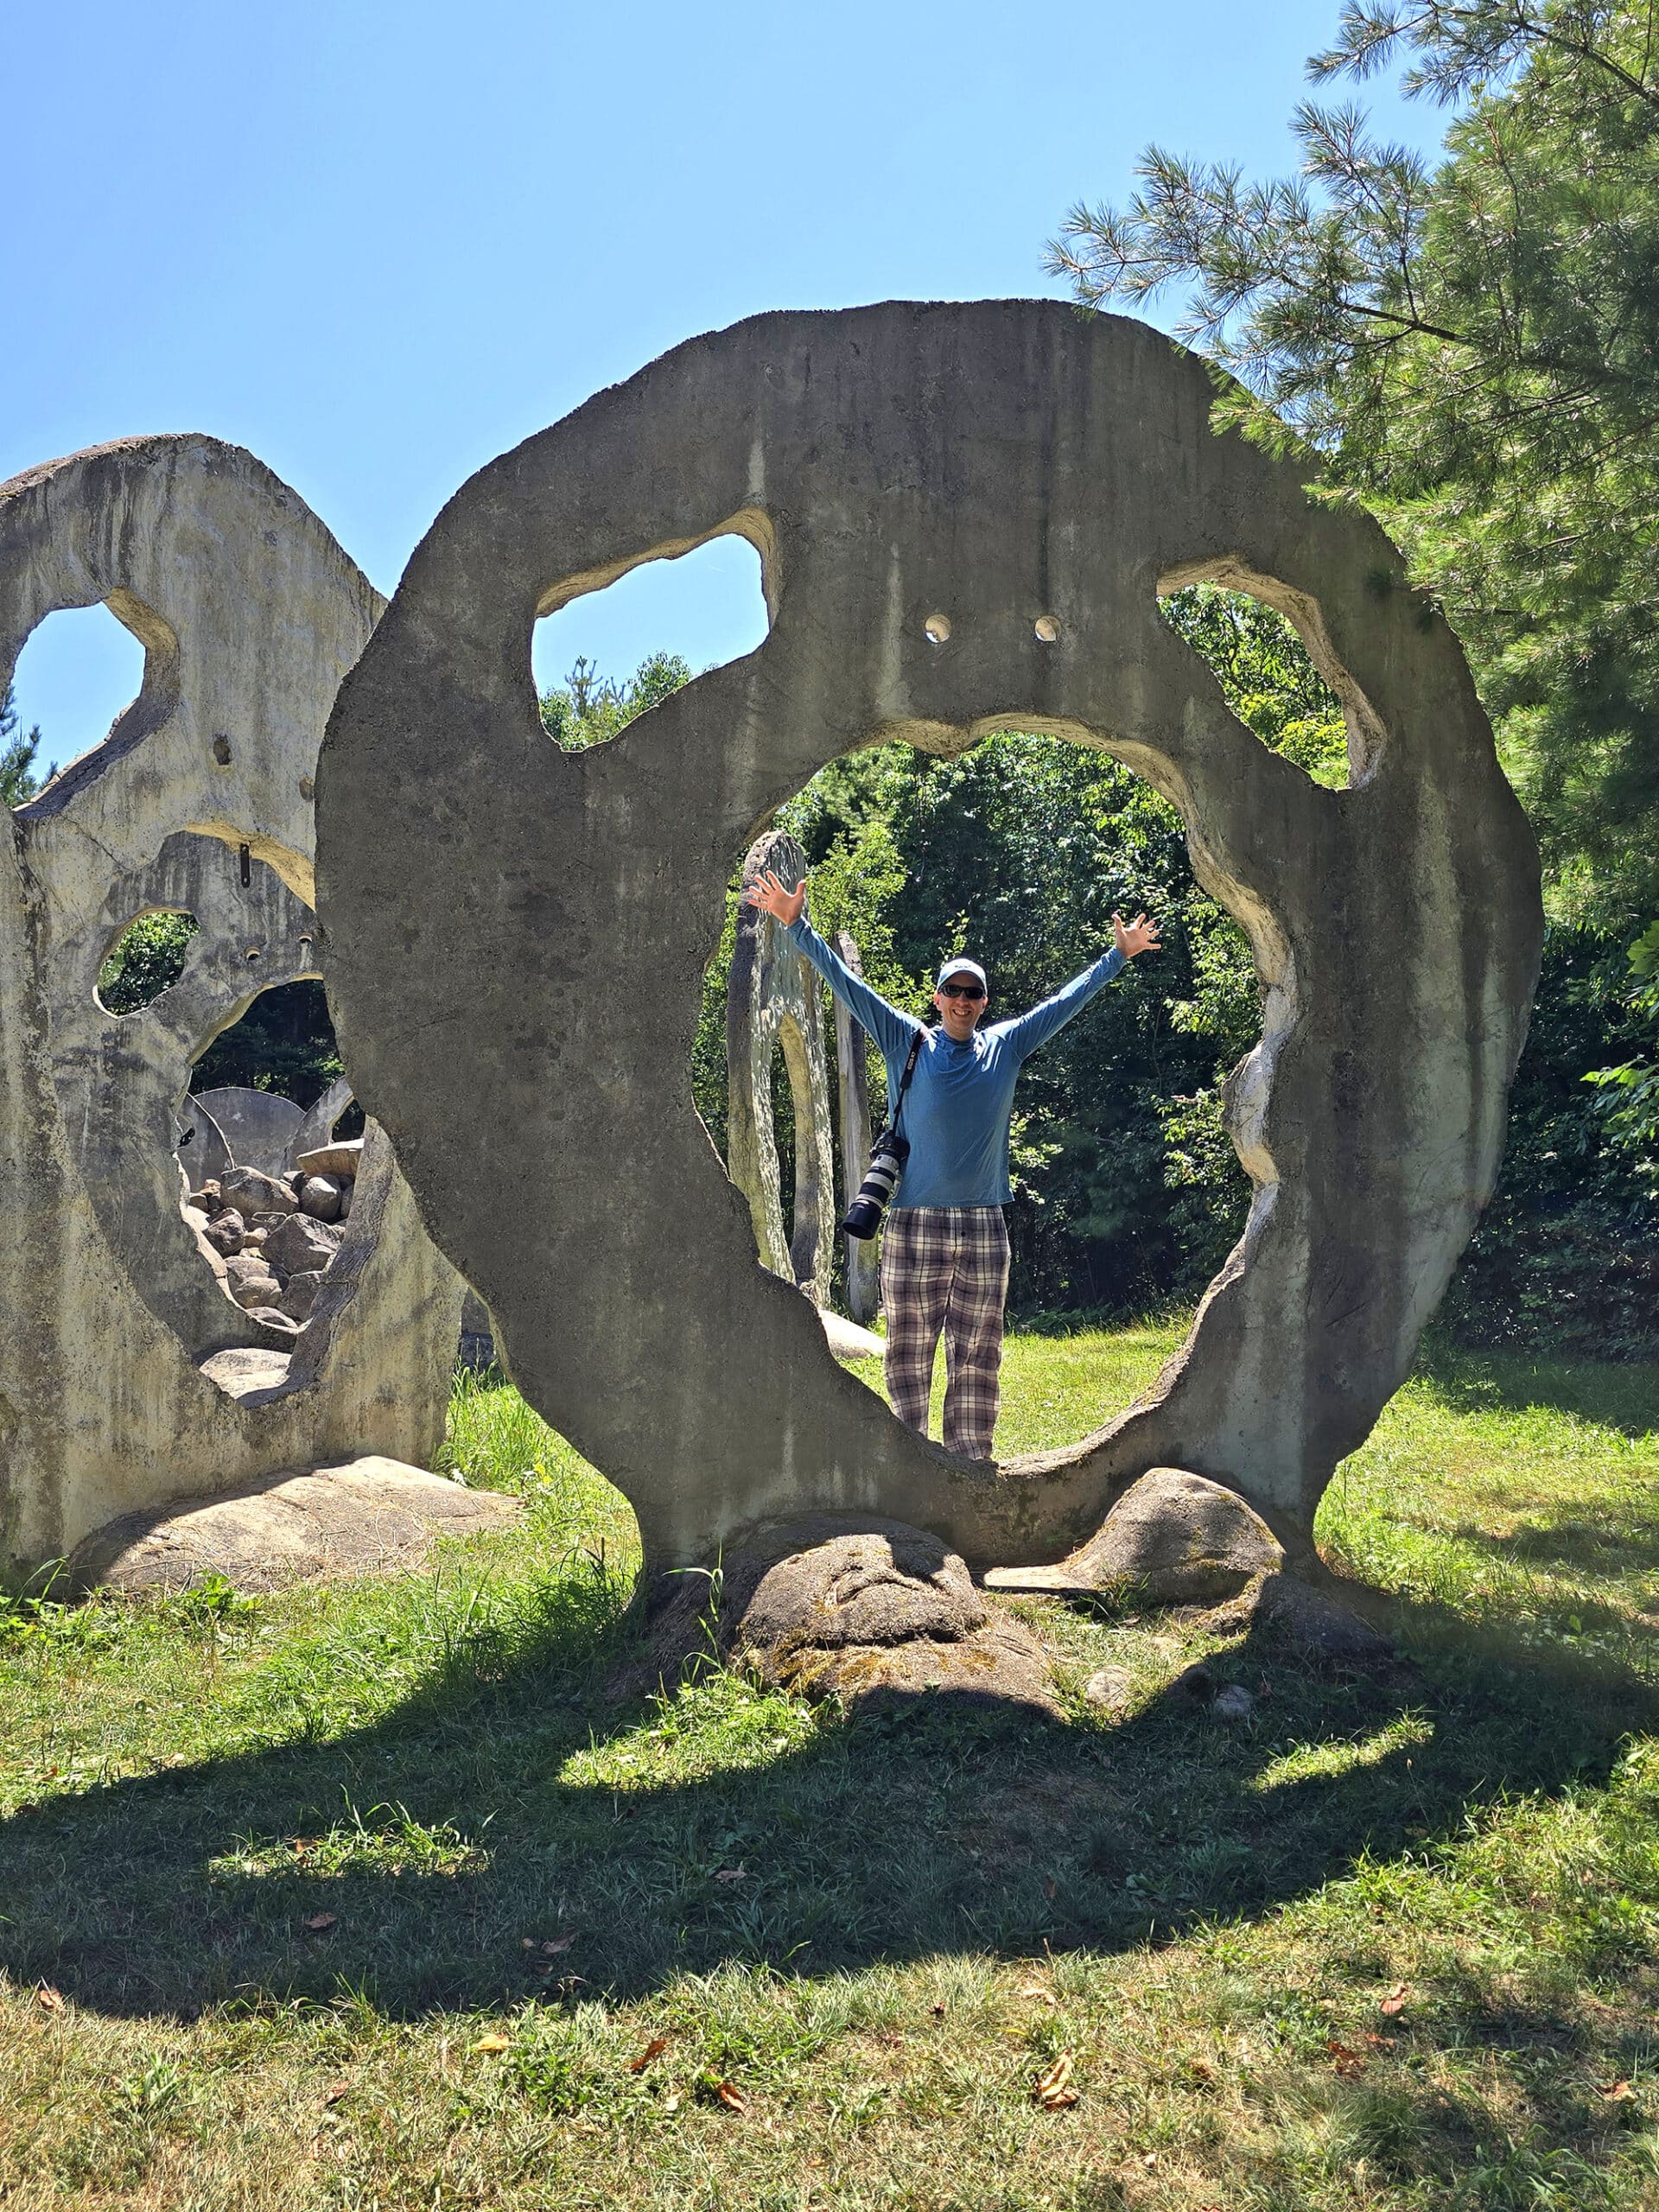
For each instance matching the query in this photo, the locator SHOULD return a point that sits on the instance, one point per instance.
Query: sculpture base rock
(1177, 1538)
(372, 1515)
(874, 1611)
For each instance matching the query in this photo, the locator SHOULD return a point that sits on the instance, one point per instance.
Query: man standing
(944, 1249)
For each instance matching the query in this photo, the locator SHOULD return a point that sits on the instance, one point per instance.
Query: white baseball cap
(963, 968)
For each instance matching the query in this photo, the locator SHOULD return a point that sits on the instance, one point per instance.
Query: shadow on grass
(454, 1837)
(1580, 1546)
(1611, 1396)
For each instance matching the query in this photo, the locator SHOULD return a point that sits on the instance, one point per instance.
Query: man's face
(959, 1015)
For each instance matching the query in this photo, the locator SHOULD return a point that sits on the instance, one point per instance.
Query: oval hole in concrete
(77, 673)
(609, 655)
(1071, 806)
(1244, 643)
(145, 960)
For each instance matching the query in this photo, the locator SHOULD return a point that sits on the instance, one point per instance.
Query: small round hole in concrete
(253, 952)
(308, 789)
(1047, 629)
(222, 751)
(937, 628)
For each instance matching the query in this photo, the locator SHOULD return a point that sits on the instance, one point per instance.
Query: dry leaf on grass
(1053, 2090)
(733, 1874)
(47, 1998)
(1348, 2063)
(334, 2092)
(1050, 1888)
(731, 2097)
(561, 1942)
(495, 2042)
(1616, 2093)
(1043, 1996)
(1395, 2000)
(654, 2049)
(319, 1921)
(672, 2102)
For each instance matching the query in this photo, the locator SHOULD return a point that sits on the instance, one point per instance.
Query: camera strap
(910, 1070)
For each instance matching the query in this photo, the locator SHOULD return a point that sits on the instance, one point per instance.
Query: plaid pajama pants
(946, 1267)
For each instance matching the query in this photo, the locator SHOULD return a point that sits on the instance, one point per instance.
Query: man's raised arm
(1036, 1027)
(891, 1030)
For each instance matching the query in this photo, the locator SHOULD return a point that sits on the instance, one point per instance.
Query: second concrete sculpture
(127, 1375)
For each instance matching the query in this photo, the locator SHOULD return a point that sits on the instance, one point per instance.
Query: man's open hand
(774, 898)
(1139, 936)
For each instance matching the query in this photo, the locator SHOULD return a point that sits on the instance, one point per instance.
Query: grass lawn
(367, 1898)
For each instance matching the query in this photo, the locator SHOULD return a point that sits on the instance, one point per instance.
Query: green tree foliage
(1473, 349)
(1565, 1259)
(19, 779)
(284, 1043)
(1629, 1092)
(590, 708)
(1267, 677)
(146, 960)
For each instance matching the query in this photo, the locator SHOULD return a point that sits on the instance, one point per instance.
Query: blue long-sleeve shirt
(961, 1098)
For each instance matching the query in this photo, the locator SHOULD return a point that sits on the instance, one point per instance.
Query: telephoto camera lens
(881, 1179)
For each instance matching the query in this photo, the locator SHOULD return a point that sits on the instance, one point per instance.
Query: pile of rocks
(273, 1238)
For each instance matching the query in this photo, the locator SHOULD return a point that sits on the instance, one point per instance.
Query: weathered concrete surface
(258, 1126)
(317, 1129)
(511, 918)
(1176, 1537)
(774, 1002)
(112, 1305)
(373, 1516)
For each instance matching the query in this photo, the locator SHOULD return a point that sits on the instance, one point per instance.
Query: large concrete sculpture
(965, 515)
(127, 1374)
(774, 1002)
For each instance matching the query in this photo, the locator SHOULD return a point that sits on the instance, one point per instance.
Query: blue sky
(378, 244)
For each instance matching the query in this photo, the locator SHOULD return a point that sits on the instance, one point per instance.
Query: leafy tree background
(1471, 348)
(1128, 1190)
(19, 778)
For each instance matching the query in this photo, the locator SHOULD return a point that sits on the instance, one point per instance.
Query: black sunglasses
(960, 991)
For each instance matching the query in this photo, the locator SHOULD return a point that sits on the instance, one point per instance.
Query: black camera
(887, 1158)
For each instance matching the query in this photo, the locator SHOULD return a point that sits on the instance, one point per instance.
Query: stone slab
(871, 1613)
(847, 1339)
(1177, 1538)
(372, 1515)
(341, 1158)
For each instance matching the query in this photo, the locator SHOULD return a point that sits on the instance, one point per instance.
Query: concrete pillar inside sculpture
(774, 1002)
(853, 1097)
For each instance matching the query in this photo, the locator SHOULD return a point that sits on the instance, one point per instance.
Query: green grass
(368, 1896)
